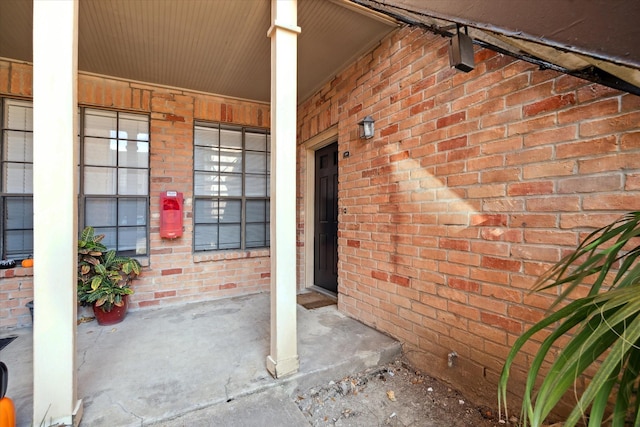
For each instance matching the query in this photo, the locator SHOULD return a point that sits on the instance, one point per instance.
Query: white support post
(55, 177)
(284, 31)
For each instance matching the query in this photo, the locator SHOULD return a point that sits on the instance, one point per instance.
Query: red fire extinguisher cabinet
(171, 214)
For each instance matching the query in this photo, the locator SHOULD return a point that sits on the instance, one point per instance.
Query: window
(115, 178)
(231, 187)
(17, 179)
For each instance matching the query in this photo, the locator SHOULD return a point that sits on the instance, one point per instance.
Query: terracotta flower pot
(116, 315)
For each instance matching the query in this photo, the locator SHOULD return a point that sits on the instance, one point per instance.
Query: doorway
(325, 271)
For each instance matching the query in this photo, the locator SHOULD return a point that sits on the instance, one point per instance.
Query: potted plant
(603, 332)
(104, 278)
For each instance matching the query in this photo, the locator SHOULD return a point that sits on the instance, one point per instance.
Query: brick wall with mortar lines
(473, 184)
(173, 273)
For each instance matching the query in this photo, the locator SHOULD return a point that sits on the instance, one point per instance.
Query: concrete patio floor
(200, 364)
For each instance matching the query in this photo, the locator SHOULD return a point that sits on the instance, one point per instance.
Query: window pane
(256, 211)
(230, 161)
(109, 236)
(255, 141)
(19, 213)
(256, 186)
(213, 211)
(229, 236)
(256, 235)
(99, 180)
(206, 237)
(133, 153)
(100, 212)
(205, 184)
(206, 211)
(206, 136)
(206, 159)
(18, 178)
(18, 243)
(100, 152)
(230, 138)
(269, 142)
(133, 181)
(230, 211)
(132, 212)
(132, 240)
(135, 126)
(100, 123)
(18, 147)
(18, 115)
(257, 162)
(257, 228)
(230, 185)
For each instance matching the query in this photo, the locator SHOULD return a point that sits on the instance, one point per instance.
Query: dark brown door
(326, 218)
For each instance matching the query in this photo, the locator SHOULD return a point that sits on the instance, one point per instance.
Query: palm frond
(603, 328)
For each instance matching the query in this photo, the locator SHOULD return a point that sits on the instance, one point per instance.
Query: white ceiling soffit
(334, 34)
(213, 46)
(582, 38)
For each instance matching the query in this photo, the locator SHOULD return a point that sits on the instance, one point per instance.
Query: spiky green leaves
(603, 329)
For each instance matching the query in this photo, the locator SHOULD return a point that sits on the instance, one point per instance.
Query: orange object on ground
(7, 413)
(7, 410)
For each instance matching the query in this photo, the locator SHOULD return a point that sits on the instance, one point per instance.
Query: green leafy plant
(104, 278)
(603, 331)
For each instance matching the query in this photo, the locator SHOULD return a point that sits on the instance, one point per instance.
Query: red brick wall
(473, 184)
(16, 289)
(173, 273)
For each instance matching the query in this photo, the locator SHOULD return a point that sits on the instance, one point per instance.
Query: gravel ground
(392, 395)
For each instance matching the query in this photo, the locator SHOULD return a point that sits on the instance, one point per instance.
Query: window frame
(82, 197)
(243, 198)
(117, 197)
(5, 195)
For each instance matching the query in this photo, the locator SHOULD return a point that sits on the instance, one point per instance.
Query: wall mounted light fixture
(366, 127)
(461, 51)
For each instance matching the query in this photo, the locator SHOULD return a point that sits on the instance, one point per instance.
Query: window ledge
(17, 271)
(230, 255)
(143, 260)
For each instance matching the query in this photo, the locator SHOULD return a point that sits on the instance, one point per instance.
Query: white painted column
(55, 177)
(284, 31)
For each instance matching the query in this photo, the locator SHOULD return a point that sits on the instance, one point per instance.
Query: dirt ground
(392, 395)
